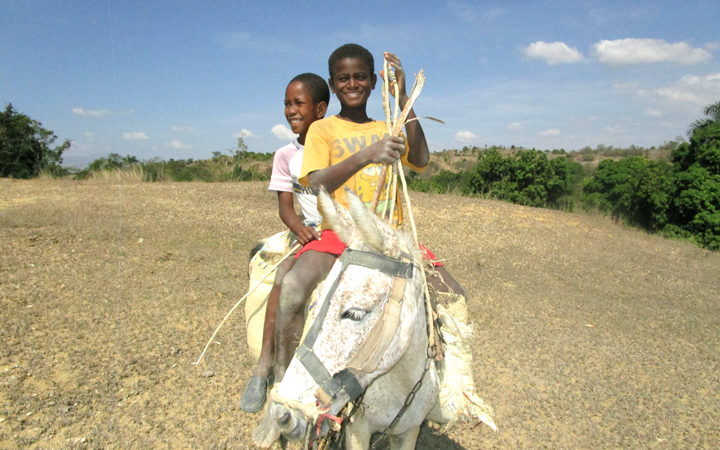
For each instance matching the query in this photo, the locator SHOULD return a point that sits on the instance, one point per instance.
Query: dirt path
(587, 334)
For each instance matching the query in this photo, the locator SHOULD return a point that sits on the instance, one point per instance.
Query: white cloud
(466, 136)
(178, 145)
(135, 136)
(243, 134)
(181, 129)
(89, 135)
(653, 112)
(100, 112)
(549, 132)
(699, 90)
(91, 112)
(553, 52)
(676, 94)
(648, 51)
(515, 127)
(282, 132)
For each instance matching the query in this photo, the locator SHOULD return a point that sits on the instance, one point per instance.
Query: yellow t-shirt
(330, 141)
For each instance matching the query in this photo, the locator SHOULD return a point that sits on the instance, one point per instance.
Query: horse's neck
(388, 393)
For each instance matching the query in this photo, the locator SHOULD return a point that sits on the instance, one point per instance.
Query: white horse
(369, 336)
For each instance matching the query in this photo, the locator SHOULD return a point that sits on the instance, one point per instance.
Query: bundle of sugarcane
(395, 122)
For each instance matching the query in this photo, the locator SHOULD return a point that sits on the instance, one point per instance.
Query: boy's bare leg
(267, 351)
(310, 268)
(255, 394)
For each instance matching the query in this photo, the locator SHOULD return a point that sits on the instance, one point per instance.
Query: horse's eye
(354, 314)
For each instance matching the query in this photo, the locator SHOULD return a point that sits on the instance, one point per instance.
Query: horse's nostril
(282, 416)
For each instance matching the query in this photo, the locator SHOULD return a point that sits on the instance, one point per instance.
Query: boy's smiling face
(300, 108)
(352, 82)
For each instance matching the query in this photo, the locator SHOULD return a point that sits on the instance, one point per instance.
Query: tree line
(679, 198)
(235, 165)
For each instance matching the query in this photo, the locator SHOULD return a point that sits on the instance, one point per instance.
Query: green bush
(634, 189)
(681, 201)
(695, 207)
(526, 177)
(26, 147)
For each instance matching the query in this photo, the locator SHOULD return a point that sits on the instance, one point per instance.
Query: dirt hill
(588, 334)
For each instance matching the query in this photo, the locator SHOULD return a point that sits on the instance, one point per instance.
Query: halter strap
(337, 389)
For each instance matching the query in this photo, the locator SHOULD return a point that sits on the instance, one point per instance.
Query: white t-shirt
(287, 163)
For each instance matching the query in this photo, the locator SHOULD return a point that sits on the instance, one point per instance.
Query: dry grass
(588, 334)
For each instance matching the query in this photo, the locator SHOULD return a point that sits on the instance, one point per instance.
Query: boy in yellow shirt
(345, 150)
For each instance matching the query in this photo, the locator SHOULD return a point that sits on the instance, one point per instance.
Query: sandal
(253, 399)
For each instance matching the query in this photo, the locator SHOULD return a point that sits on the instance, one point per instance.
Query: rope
(394, 127)
(290, 252)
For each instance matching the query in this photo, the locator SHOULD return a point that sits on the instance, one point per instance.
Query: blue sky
(183, 79)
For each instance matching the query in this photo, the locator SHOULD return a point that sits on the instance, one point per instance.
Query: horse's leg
(357, 435)
(310, 267)
(405, 440)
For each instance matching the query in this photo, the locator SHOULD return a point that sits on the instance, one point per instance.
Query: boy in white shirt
(306, 100)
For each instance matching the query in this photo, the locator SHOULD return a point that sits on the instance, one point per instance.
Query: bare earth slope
(587, 334)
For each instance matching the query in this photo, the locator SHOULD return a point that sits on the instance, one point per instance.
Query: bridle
(336, 390)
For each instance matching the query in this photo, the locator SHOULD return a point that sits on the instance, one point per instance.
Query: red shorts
(329, 242)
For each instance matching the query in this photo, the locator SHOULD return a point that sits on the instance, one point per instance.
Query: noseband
(338, 389)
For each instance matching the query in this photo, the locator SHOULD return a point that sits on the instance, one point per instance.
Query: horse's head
(366, 316)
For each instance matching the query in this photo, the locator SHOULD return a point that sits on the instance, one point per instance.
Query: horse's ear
(376, 232)
(365, 223)
(336, 216)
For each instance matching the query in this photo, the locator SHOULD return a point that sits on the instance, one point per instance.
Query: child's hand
(387, 150)
(394, 62)
(307, 234)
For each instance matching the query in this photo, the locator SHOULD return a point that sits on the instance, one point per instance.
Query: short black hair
(317, 86)
(351, 51)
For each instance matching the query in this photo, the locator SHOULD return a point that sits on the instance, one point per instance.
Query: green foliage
(442, 183)
(588, 154)
(526, 177)
(237, 165)
(713, 116)
(633, 189)
(681, 201)
(26, 147)
(216, 169)
(695, 208)
(108, 163)
(241, 153)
